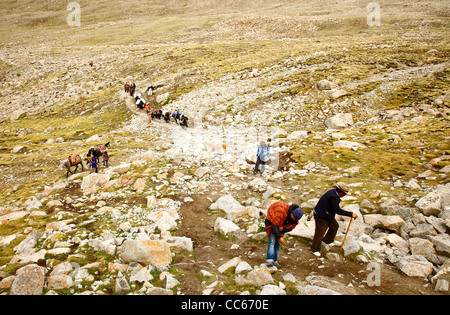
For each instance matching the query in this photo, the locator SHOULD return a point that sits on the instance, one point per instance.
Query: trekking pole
(345, 237)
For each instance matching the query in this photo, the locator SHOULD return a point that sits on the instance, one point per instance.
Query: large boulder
(325, 85)
(339, 121)
(257, 277)
(348, 144)
(304, 230)
(441, 243)
(298, 135)
(29, 280)
(226, 203)
(434, 202)
(146, 252)
(93, 182)
(18, 114)
(58, 282)
(224, 226)
(423, 247)
(387, 222)
(415, 266)
(165, 219)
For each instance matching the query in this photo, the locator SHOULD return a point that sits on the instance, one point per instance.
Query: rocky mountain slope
(180, 211)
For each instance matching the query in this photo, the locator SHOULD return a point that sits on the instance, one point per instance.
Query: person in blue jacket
(262, 156)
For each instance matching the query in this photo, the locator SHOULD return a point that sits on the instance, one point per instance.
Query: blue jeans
(272, 249)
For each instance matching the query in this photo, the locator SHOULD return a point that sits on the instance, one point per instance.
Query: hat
(296, 212)
(343, 187)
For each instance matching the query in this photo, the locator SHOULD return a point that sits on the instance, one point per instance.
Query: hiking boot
(269, 264)
(276, 264)
(316, 254)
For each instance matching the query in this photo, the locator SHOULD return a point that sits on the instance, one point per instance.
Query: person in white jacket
(262, 156)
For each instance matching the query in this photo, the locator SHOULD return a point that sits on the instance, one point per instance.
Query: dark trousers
(258, 162)
(322, 226)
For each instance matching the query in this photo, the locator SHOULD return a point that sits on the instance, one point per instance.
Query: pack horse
(72, 160)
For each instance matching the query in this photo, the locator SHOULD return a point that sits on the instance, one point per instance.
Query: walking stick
(345, 237)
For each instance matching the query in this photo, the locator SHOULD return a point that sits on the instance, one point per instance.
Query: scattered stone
(415, 266)
(29, 280)
(146, 252)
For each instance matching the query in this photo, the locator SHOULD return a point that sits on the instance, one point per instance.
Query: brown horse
(72, 160)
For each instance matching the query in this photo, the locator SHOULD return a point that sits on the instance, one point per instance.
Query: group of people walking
(176, 116)
(281, 217)
(94, 154)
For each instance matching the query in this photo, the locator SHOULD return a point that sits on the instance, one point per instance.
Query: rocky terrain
(180, 211)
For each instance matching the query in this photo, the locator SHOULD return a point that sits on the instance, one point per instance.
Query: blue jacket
(328, 206)
(93, 162)
(263, 153)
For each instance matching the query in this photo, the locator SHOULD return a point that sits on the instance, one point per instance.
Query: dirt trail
(211, 251)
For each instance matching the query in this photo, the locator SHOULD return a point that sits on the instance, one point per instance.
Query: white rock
(415, 266)
(228, 204)
(224, 226)
(340, 121)
(270, 289)
(242, 267)
(231, 263)
(388, 222)
(348, 144)
(146, 252)
(315, 290)
(93, 182)
(298, 134)
(434, 202)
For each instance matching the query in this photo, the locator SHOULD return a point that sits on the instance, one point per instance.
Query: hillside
(335, 98)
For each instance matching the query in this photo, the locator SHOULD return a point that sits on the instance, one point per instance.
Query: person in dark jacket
(324, 216)
(281, 218)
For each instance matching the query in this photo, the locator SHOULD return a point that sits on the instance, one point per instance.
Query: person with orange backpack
(281, 218)
(149, 113)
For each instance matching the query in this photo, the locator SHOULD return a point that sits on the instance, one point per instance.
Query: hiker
(262, 156)
(127, 87)
(184, 122)
(324, 216)
(150, 90)
(140, 103)
(149, 113)
(91, 151)
(178, 117)
(104, 151)
(167, 116)
(92, 162)
(281, 218)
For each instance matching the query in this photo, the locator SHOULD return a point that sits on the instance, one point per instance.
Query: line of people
(177, 116)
